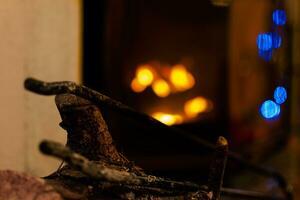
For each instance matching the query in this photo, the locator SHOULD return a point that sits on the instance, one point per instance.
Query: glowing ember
(144, 75)
(195, 106)
(164, 81)
(161, 88)
(136, 86)
(181, 78)
(168, 119)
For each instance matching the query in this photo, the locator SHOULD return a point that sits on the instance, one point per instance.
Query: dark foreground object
(94, 168)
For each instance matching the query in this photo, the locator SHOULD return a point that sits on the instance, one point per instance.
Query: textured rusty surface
(91, 155)
(88, 133)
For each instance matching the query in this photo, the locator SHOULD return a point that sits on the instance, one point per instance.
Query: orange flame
(136, 86)
(195, 106)
(161, 88)
(144, 75)
(181, 79)
(168, 119)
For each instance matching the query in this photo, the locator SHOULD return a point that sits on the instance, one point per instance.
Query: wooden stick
(114, 175)
(99, 99)
(215, 180)
(119, 177)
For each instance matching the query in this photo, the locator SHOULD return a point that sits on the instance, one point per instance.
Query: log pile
(94, 168)
(92, 158)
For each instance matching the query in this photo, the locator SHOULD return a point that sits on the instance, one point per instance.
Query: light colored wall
(39, 38)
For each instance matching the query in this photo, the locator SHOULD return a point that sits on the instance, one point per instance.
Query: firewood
(92, 156)
(115, 176)
(215, 180)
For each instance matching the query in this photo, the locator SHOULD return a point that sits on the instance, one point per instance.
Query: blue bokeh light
(264, 41)
(269, 109)
(280, 95)
(265, 55)
(276, 40)
(279, 17)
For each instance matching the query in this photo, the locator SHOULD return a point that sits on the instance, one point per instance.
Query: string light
(276, 40)
(264, 41)
(279, 17)
(269, 109)
(265, 55)
(280, 95)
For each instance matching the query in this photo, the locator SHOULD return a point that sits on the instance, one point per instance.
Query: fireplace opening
(177, 61)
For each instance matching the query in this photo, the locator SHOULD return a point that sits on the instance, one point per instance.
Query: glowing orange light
(195, 106)
(181, 78)
(144, 75)
(136, 86)
(161, 88)
(168, 119)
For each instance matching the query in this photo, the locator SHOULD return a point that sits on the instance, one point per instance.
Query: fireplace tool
(95, 169)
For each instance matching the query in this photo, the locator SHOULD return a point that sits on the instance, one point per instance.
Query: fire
(195, 106)
(181, 78)
(168, 119)
(144, 75)
(161, 88)
(166, 80)
(136, 86)
(163, 81)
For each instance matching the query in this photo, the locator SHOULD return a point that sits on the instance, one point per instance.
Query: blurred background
(191, 64)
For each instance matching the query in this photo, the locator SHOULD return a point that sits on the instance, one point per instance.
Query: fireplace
(172, 60)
